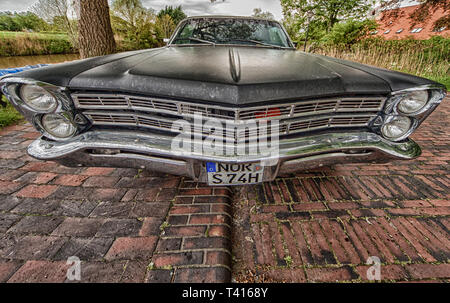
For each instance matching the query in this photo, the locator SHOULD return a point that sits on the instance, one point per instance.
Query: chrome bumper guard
(153, 152)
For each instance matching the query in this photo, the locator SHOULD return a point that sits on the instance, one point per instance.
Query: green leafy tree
(165, 26)
(322, 15)
(21, 21)
(134, 23)
(258, 13)
(349, 32)
(176, 13)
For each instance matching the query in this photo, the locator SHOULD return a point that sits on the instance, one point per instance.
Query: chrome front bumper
(153, 151)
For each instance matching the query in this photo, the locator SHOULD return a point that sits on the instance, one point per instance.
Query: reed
(425, 58)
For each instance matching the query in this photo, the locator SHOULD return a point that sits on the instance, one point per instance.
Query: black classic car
(245, 75)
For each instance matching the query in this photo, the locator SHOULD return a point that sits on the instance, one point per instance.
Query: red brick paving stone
(371, 233)
(97, 171)
(132, 248)
(428, 271)
(102, 194)
(423, 253)
(32, 247)
(178, 259)
(330, 274)
(101, 181)
(387, 272)
(339, 252)
(291, 246)
(7, 269)
(70, 180)
(8, 187)
(150, 226)
(159, 276)
(37, 191)
(41, 272)
(78, 227)
(285, 275)
(202, 275)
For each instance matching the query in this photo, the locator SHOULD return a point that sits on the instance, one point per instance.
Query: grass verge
(8, 115)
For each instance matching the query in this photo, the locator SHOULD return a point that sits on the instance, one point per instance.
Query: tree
(176, 13)
(50, 9)
(96, 37)
(420, 14)
(258, 13)
(134, 22)
(349, 32)
(165, 26)
(324, 14)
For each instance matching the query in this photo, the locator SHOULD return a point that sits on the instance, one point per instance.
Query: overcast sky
(191, 7)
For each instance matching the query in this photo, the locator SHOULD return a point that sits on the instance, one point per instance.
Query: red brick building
(397, 24)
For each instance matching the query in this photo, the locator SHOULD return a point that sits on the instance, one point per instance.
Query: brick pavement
(322, 225)
(125, 225)
(128, 225)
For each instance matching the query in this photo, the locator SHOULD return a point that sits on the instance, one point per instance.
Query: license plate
(234, 174)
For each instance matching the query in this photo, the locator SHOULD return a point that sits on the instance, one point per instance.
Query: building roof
(397, 24)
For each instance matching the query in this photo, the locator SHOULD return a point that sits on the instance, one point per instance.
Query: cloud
(219, 7)
(16, 5)
(191, 7)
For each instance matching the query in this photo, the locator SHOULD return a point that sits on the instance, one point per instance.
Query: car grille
(292, 110)
(155, 113)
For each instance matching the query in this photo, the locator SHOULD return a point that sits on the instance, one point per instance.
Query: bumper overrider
(154, 152)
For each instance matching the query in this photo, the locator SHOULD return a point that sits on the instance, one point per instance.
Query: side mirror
(295, 44)
(166, 40)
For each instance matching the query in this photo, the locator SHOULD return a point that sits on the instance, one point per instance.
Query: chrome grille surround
(303, 116)
(186, 109)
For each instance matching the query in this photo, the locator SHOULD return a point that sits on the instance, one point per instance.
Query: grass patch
(41, 35)
(8, 115)
(26, 44)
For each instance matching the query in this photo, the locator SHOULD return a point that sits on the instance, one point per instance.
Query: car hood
(225, 74)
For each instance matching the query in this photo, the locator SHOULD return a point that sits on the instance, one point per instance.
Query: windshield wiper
(196, 40)
(256, 42)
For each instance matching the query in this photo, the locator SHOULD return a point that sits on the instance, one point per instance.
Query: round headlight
(38, 98)
(58, 125)
(396, 128)
(413, 102)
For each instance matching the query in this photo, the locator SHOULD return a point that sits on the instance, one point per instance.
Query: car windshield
(263, 33)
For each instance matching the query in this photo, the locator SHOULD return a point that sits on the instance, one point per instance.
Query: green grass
(6, 34)
(8, 114)
(443, 80)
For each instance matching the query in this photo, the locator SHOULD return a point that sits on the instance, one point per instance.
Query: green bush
(349, 33)
(8, 114)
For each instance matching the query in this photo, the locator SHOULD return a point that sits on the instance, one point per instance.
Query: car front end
(129, 121)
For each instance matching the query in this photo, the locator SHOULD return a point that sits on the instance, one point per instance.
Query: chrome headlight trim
(436, 94)
(10, 87)
(30, 105)
(66, 116)
(414, 124)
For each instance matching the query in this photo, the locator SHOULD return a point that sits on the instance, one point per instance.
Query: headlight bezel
(65, 116)
(408, 97)
(436, 94)
(389, 119)
(28, 103)
(11, 88)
